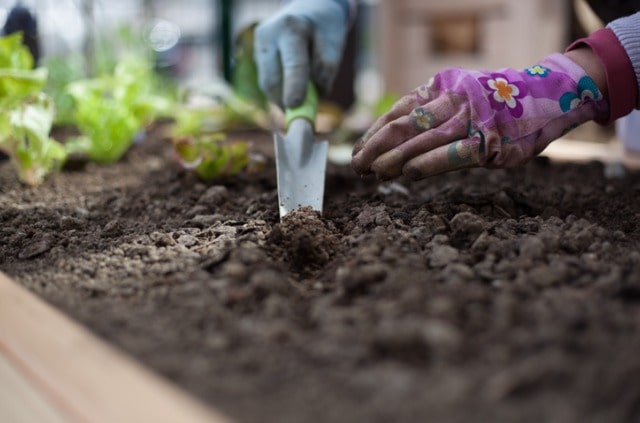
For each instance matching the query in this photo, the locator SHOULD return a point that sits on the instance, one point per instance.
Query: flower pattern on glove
(504, 92)
(467, 151)
(538, 70)
(587, 90)
(422, 119)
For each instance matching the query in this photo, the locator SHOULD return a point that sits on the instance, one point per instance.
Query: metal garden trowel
(300, 160)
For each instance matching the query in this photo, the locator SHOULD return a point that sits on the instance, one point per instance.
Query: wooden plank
(63, 367)
(20, 402)
(584, 151)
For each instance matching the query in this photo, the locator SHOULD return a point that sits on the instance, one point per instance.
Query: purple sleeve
(628, 32)
(622, 83)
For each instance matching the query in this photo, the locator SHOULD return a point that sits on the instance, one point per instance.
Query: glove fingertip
(294, 97)
(359, 145)
(413, 173)
(272, 91)
(356, 165)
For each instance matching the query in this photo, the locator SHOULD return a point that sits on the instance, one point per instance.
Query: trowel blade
(300, 165)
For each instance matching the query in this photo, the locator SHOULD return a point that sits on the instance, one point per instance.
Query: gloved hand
(303, 40)
(464, 119)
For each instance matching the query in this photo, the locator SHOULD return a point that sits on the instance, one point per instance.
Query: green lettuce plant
(212, 156)
(26, 114)
(109, 110)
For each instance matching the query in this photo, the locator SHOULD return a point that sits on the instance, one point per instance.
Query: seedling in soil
(26, 114)
(111, 109)
(33, 151)
(211, 156)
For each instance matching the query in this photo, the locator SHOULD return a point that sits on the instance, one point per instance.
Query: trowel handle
(307, 110)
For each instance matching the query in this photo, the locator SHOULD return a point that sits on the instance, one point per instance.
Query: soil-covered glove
(303, 40)
(465, 118)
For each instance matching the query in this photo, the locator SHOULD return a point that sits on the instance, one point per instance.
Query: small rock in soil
(162, 240)
(482, 243)
(373, 215)
(466, 223)
(187, 240)
(202, 220)
(34, 249)
(113, 228)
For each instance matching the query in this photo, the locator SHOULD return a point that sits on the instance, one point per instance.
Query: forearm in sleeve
(627, 31)
(617, 49)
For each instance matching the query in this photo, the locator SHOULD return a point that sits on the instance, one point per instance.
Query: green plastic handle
(307, 110)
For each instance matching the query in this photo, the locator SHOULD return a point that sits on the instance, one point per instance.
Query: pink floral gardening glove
(464, 119)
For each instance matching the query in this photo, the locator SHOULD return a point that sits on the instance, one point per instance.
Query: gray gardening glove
(304, 40)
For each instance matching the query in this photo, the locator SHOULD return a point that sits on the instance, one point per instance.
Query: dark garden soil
(478, 296)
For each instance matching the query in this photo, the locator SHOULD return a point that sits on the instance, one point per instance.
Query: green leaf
(111, 109)
(211, 156)
(34, 153)
(16, 84)
(26, 114)
(13, 53)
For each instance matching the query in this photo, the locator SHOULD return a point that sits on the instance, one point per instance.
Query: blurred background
(192, 62)
(193, 38)
(186, 34)
(112, 68)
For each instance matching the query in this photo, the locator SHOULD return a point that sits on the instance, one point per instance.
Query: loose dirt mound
(303, 240)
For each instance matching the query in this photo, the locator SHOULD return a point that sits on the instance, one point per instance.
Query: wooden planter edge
(571, 150)
(53, 368)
